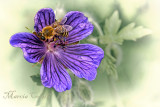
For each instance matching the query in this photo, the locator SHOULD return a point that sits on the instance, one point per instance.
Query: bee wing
(63, 20)
(67, 27)
(64, 28)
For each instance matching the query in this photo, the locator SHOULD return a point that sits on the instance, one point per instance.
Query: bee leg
(35, 64)
(64, 48)
(56, 37)
(66, 42)
(29, 30)
(67, 34)
(63, 34)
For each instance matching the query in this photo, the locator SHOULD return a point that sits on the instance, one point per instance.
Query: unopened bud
(66, 98)
(85, 92)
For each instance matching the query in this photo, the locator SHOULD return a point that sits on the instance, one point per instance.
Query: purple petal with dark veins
(81, 26)
(82, 59)
(32, 47)
(43, 18)
(53, 74)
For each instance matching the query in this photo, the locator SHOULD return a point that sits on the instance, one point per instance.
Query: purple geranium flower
(54, 45)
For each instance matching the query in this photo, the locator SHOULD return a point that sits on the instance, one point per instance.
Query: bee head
(43, 38)
(40, 34)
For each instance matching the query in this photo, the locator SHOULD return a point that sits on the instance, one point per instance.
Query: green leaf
(130, 32)
(105, 40)
(112, 24)
(111, 28)
(36, 79)
(113, 35)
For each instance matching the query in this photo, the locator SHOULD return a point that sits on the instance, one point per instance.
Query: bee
(55, 31)
(61, 29)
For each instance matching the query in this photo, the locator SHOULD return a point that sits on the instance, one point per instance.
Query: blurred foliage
(113, 36)
(66, 99)
(129, 32)
(45, 98)
(84, 92)
(108, 65)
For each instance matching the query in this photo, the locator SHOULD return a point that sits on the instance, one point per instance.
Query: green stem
(114, 92)
(98, 28)
(108, 48)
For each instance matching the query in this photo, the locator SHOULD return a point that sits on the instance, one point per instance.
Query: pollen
(47, 32)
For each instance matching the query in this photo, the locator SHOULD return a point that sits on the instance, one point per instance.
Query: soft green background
(139, 71)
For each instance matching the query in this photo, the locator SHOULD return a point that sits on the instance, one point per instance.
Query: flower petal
(54, 75)
(43, 18)
(32, 47)
(82, 59)
(81, 27)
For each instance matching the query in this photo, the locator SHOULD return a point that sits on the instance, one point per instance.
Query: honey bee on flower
(56, 30)
(54, 44)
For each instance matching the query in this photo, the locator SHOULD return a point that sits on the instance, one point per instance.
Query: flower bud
(66, 98)
(85, 93)
(47, 98)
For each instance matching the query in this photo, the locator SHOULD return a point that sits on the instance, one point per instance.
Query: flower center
(50, 46)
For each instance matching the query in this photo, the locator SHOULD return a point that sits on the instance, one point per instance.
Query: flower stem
(98, 28)
(46, 98)
(114, 92)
